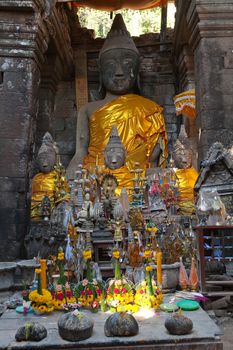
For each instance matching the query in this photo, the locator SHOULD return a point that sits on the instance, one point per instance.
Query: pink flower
(124, 290)
(60, 296)
(116, 291)
(83, 292)
(89, 292)
(68, 294)
(98, 291)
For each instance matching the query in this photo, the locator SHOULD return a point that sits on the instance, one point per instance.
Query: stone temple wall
(65, 119)
(31, 32)
(206, 28)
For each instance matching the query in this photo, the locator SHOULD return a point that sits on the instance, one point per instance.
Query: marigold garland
(143, 298)
(87, 292)
(41, 302)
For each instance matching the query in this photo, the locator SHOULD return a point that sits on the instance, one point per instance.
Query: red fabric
(113, 5)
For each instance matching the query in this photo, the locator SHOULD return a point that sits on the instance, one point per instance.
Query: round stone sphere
(178, 325)
(75, 326)
(121, 324)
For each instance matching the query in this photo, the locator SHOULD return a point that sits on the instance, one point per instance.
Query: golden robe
(44, 185)
(187, 179)
(140, 125)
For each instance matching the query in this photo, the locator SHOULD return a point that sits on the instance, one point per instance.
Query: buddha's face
(119, 69)
(114, 157)
(46, 161)
(183, 159)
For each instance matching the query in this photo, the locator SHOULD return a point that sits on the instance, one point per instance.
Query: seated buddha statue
(186, 174)
(48, 182)
(138, 120)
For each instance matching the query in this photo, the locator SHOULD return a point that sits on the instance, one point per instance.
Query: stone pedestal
(7, 270)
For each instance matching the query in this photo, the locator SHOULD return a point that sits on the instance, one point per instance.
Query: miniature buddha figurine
(44, 183)
(185, 173)
(114, 152)
(86, 210)
(138, 120)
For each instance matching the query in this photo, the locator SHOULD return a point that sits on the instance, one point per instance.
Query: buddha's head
(119, 60)
(182, 154)
(47, 154)
(114, 152)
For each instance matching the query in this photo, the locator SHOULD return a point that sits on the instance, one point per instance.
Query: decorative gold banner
(185, 103)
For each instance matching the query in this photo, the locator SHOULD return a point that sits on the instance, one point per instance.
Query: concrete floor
(152, 333)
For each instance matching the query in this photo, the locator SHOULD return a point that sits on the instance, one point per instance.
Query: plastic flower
(85, 282)
(147, 254)
(42, 308)
(87, 254)
(116, 254)
(61, 256)
(148, 268)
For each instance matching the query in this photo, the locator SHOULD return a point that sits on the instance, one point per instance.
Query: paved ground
(226, 326)
(151, 331)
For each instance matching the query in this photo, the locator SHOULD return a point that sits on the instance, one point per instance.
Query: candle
(159, 266)
(43, 266)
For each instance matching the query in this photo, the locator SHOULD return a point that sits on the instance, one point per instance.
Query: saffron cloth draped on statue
(140, 125)
(187, 179)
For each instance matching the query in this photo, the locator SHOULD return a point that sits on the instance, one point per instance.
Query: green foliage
(137, 22)
(78, 290)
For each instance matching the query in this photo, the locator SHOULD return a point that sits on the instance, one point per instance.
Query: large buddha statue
(138, 120)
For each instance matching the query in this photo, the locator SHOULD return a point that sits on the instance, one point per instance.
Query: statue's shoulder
(93, 106)
(145, 103)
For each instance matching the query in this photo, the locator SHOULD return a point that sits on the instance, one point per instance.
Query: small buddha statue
(114, 152)
(138, 120)
(86, 211)
(186, 174)
(44, 183)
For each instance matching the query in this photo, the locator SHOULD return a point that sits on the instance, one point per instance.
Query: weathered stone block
(13, 159)
(59, 124)
(7, 270)
(9, 200)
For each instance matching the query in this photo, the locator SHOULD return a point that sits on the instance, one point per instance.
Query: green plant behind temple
(137, 22)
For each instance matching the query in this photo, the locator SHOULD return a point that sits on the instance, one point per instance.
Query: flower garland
(62, 295)
(41, 298)
(88, 292)
(148, 294)
(119, 291)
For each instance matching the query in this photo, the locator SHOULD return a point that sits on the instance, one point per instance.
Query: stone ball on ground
(75, 326)
(31, 331)
(121, 324)
(178, 325)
